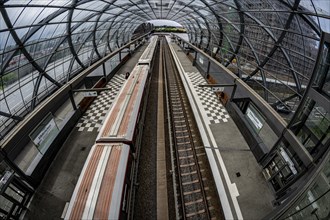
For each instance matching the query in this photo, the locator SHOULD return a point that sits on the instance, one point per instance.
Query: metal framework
(43, 44)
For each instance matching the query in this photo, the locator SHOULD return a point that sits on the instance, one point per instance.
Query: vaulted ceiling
(44, 43)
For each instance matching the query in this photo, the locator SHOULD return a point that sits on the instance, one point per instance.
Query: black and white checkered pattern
(94, 116)
(215, 111)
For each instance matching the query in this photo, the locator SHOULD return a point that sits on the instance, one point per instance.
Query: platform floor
(248, 194)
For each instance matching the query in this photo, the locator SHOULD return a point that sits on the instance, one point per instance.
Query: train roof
(98, 192)
(121, 120)
(149, 51)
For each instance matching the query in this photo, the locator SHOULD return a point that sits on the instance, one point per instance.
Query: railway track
(190, 190)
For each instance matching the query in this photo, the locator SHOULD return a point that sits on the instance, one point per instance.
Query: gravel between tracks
(145, 199)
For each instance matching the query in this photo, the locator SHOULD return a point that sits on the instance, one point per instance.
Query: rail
(191, 187)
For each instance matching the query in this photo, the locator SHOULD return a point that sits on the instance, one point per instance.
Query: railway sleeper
(192, 192)
(195, 208)
(186, 136)
(180, 130)
(181, 144)
(178, 117)
(186, 149)
(182, 138)
(189, 173)
(176, 106)
(190, 182)
(190, 178)
(180, 123)
(194, 202)
(185, 157)
(200, 154)
(187, 165)
(190, 215)
(176, 110)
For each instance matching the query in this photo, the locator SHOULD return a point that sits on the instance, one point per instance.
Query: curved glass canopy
(271, 44)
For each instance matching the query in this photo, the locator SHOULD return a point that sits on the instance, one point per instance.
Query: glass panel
(314, 203)
(6, 205)
(97, 72)
(323, 70)
(284, 167)
(315, 129)
(13, 192)
(14, 13)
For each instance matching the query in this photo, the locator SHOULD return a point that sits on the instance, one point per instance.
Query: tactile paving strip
(215, 111)
(94, 116)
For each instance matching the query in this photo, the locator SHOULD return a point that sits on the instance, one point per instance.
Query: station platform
(243, 191)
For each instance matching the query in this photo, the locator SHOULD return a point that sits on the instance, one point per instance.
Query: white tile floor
(215, 111)
(94, 116)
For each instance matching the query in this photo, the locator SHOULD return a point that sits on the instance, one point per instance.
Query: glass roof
(44, 42)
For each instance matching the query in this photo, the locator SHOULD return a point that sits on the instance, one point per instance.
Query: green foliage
(170, 29)
(8, 79)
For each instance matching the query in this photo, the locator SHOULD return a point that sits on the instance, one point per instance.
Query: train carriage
(120, 124)
(149, 52)
(102, 191)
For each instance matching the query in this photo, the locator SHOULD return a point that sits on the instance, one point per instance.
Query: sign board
(288, 160)
(254, 119)
(44, 134)
(90, 94)
(41, 137)
(217, 89)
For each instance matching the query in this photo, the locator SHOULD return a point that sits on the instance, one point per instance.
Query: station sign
(90, 94)
(217, 89)
(254, 118)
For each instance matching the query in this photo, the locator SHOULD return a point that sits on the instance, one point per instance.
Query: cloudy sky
(164, 22)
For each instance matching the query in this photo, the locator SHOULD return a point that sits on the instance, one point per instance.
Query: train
(105, 186)
(148, 54)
